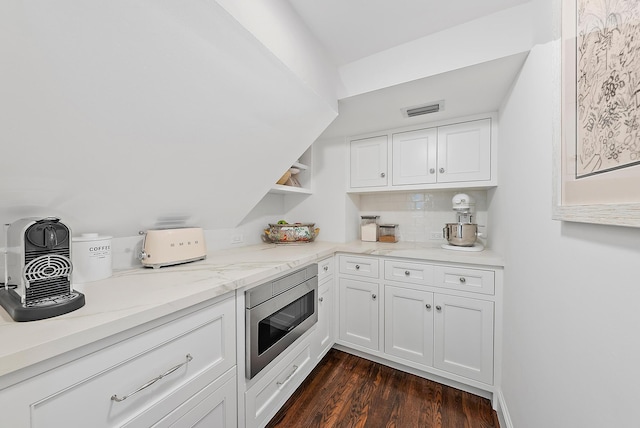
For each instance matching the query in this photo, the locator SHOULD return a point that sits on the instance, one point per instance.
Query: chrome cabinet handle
(432, 171)
(321, 299)
(407, 273)
(438, 308)
(441, 170)
(383, 175)
(295, 369)
(373, 296)
(326, 268)
(428, 306)
(357, 267)
(117, 399)
(463, 279)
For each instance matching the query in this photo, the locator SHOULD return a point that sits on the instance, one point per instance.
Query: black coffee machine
(37, 278)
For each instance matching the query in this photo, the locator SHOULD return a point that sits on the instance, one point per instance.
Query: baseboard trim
(503, 413)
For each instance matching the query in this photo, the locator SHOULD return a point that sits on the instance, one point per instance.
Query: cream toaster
(166, 247)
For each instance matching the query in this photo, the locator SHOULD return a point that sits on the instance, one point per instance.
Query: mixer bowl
(461, 234)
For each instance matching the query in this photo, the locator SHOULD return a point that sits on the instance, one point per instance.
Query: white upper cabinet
(459, 154)
(369, 162)
(464, 151)
(414, 157)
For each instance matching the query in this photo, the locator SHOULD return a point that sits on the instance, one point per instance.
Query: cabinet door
(414, 157)
(359, 313)
(369, 162)
(464, 151)
(408, 324)
(464, 337)
(324, 331)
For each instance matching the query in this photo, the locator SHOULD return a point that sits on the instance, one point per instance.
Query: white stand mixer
(462, 235)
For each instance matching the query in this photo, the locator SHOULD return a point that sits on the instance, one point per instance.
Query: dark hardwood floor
(348, 391)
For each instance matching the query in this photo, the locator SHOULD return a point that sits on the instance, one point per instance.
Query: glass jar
(369, 228)
(388, 233)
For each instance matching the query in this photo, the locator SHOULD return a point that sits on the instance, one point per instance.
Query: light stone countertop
(136, 296)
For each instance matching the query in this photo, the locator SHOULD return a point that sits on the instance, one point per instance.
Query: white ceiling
(353, 29)
(477, 89)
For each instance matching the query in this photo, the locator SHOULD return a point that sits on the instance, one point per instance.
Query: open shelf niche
(303, 164)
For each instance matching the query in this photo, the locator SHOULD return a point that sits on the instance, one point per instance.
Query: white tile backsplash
(419, 214)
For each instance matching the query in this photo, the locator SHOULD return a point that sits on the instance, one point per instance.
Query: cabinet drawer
(360, 266)
(326, 269)
(415, 273)
(138, 381)
(214, 406)
(473, 280)
(265, 397)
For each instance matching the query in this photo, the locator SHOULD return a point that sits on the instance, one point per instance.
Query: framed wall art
(597, 148)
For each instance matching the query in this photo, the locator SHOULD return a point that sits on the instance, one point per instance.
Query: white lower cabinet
(408, 329)
(435, 318)
(326, 302)
(176, 374)
(464, 336)
(359, 312)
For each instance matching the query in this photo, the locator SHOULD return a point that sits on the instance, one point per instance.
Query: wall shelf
(287, 190)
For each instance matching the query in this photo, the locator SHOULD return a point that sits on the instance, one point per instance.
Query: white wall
(270, 209)
(333, 211)
(116, 115)
(571, 342)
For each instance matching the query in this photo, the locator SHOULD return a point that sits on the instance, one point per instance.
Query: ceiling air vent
(423, 109)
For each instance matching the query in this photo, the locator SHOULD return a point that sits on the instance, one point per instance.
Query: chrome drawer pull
(357, 267)
(117, 399)
(295, 369)
(463, 279)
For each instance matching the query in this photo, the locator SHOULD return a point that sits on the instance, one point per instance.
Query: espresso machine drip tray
(47, 307)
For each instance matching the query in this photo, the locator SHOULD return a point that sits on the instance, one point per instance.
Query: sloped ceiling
(353, 29)
(470, 90)
(116, 114)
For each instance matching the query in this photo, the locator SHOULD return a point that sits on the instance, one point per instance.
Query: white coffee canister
(91, 257)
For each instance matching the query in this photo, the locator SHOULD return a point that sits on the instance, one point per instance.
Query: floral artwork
(608, 86)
